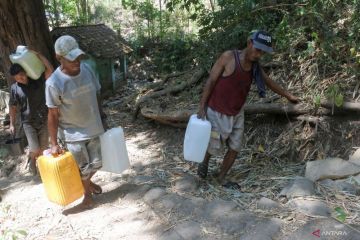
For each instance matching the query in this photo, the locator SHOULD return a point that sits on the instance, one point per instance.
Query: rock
(310, 207)
(169, 202)
(153, 194)
(298, 188)
(193, 206)
(143, 179)
(267, 204)
(355, 158)
(171, 235)
(332, 168)
(187, 183)
(341, 185)
(137, 193)
(264, 230)
(217, 208)
(355, 180)
(325, 228)
(189, 230)
(235, 222)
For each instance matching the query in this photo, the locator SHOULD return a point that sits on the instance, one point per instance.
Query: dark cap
(262, 40)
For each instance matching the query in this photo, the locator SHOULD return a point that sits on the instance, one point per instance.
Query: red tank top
(230, 92)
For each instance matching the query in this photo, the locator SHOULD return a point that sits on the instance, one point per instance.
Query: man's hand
(12, 129)
(293, 99)
(56, 149)
(201, 113)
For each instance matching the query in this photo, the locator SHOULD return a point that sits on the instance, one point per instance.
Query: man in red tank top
(224, 96)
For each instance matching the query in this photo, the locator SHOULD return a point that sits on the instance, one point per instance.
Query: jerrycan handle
(47, 152)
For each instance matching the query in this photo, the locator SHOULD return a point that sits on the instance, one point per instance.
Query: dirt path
(160, 197)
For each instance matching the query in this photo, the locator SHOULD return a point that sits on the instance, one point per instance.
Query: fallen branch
(347, 106)
(171, 89)
(181, 117)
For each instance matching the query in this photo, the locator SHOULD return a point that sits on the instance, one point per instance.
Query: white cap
(67, 47)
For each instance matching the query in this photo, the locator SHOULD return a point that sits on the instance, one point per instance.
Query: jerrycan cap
(21, 48)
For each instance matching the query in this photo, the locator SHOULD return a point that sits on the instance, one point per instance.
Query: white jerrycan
(113, 150)
(32, 65)
(197, 137)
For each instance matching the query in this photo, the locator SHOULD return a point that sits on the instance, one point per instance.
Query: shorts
(37, 137)
(87, 154)
(225, 129)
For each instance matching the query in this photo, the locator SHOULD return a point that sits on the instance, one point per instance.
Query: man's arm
(53, 124)
(215, 73)
(48, 67)
(12, 114)
(277, 89)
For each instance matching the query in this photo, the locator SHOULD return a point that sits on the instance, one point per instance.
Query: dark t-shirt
(30, 99)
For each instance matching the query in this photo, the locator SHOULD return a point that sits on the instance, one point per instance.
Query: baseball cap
(67, 47)
(262, 40)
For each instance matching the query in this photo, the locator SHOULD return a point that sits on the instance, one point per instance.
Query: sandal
(232, 185)
(202, 170)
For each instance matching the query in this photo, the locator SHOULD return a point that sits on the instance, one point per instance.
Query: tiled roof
(98, 40)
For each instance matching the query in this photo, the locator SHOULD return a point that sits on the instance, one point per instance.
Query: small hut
(105, 50)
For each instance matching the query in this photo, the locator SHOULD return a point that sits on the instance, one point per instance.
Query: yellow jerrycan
(61, 178)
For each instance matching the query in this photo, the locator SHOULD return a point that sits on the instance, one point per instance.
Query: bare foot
(87, 203)
(94, 188)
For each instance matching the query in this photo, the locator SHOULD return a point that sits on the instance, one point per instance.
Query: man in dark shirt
(28, 96)
(224, 96)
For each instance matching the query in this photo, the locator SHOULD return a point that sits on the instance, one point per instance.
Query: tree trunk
(23, 23)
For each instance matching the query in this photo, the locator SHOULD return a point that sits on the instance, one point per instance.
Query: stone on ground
(267, 204)
(153, 194)
(342, 186)
(332, 168)
(187, 183)
(298, 188)
(189, 230)
(325, 228)
(137, 193)
(310, 207)
(217, 208)
(355, 158)
(264, 230)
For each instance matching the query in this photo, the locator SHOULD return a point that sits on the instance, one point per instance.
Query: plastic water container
(32, 65)
(113, 150)
(197, 137)
(61, 178)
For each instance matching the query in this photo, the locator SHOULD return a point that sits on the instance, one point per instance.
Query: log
(180, 117)
(171, 89)
(276, 108)
(347, 106)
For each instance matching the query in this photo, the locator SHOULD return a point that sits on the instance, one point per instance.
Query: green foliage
(13, 234)
(317, 100)
(10, 234)
(335, 95)
(320, 30)
(174, 54)
(340, 214)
